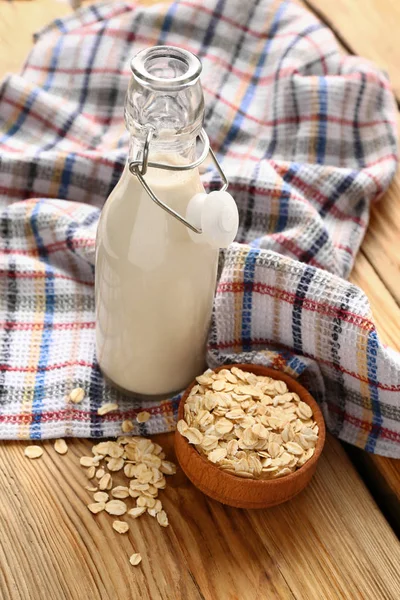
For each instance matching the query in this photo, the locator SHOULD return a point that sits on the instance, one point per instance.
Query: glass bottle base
(137, 395)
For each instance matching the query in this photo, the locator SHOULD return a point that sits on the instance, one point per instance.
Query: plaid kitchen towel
(307, 139)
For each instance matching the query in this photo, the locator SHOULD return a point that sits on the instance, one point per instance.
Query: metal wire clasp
(139, 168)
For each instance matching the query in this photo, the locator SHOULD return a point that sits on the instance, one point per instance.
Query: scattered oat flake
(77, 395)
(162, 518)
(105, 482)
(144, 467)
(120, 492)
(143, 417)
(96, 507)
(168, 468)
(127, 426)
(115, 451)
(91, 472)
(120, 526)
(107, 408)
(124, 439)
(100, 497)
(33, 451)
(151, 502)
(116, 507)
(115, 464)
(137, 485)
(135, 559)
(129, 470)
(60, 446)
(158, 506)
(137, 511)
(90, 488)
(101, 448)
(161, 484)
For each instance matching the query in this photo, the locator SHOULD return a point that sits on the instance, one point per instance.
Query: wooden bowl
(249, 493)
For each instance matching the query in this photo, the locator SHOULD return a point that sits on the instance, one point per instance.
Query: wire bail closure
(139, 168)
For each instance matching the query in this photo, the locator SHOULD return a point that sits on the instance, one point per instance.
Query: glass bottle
(155, 281)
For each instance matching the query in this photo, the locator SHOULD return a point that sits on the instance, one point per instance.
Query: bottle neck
(168, 150)
(165, 95)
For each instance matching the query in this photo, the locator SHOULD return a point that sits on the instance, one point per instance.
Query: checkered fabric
(307, 139)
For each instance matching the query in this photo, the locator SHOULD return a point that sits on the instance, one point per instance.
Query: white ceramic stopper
(216, 214)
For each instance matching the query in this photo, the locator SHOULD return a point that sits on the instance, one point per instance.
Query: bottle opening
(166, 68)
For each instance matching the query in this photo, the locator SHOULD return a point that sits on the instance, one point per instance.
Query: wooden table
(332, 542)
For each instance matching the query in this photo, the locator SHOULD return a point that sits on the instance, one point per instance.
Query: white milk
(154, 286)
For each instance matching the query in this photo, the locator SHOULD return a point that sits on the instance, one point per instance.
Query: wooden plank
(331, 542)
(65, 552)
(368, 28)
(382, 477)
(385, 310)
(26, 18)
(381, 242)
(18, 22)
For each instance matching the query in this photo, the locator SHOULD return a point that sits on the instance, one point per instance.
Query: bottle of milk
(159, 234)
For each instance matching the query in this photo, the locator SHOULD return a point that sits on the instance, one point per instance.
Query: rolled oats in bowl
(249, 425)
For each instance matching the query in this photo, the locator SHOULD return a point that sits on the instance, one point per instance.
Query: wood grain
(381, 243)
(65, 551)
(382, 476)
(330, 542)
(386, 311)
(18, 22)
